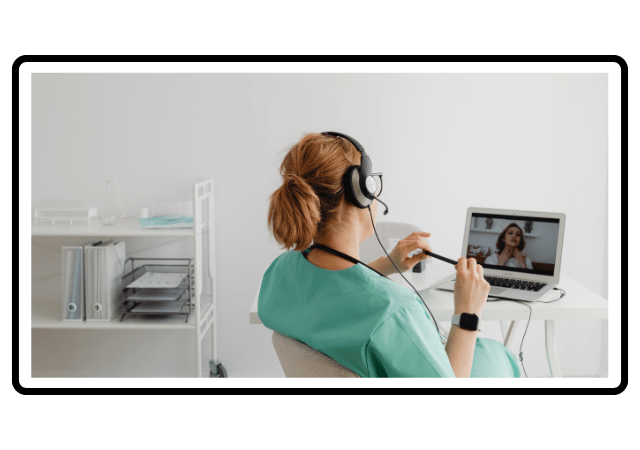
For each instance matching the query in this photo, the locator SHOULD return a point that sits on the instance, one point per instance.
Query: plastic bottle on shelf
(116, 210)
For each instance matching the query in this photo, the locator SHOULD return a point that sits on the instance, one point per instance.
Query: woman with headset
(323, 296)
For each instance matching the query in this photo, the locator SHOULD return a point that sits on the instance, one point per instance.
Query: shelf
(498, 232)
(130, 227)
(46, 314)
(46, 308)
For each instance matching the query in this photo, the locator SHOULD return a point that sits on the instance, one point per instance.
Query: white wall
(444, 142)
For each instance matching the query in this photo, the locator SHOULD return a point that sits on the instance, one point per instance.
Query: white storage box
(61, 212)
(172, 208)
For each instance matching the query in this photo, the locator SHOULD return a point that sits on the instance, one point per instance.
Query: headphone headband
(365, 163)
(355, 143)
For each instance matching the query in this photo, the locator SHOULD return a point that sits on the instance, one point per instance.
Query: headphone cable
(520, 355)
(495, 299)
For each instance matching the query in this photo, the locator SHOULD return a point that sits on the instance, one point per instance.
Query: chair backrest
(370, 248)
(298, 360)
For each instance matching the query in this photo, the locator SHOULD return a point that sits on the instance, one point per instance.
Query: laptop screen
(514, 243)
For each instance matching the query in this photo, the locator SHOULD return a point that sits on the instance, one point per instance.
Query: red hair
(312, 191)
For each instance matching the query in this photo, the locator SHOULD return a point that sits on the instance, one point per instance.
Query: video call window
(515, 243)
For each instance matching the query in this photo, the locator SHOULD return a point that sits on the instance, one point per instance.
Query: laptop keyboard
(515, 284)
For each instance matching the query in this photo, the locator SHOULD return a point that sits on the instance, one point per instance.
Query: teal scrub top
(366, 322)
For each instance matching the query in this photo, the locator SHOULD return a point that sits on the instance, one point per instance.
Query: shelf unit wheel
(217, 370)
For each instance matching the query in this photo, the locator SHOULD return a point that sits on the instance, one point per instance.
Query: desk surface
(579, 303)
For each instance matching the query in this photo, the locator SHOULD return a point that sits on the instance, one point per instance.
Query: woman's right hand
(471, 289)
(505, 255)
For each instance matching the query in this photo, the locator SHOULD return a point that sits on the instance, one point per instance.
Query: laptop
(520, 251)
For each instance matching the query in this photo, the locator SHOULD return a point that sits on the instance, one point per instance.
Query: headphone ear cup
(352, 190)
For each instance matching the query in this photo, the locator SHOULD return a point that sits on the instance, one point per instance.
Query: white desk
(579, 303)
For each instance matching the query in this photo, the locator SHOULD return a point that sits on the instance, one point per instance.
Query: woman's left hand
(400, 254)
(520, 258)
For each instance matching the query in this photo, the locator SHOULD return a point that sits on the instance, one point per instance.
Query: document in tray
(159, 308)
(164, 295)
(155, 280)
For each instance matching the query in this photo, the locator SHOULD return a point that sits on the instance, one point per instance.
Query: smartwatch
(467, 321)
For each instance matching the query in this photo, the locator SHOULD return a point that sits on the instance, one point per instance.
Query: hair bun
(292, 179)
(294, 212)
(299, 187)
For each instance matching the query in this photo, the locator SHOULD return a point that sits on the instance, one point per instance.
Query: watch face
(468, 321)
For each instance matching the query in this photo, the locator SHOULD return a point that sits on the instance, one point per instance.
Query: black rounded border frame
(323, 391)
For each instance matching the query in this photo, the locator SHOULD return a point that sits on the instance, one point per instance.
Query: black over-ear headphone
(360, 185)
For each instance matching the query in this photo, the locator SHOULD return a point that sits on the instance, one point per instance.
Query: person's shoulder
(283, 261)
(278, 271)
(287, 256)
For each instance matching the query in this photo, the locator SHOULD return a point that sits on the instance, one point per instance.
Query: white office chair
(301, 361)
(370, 248)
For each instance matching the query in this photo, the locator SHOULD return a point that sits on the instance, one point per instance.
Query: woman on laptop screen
(510, 245)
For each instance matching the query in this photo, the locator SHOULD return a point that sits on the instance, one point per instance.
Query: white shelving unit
(47, 314)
